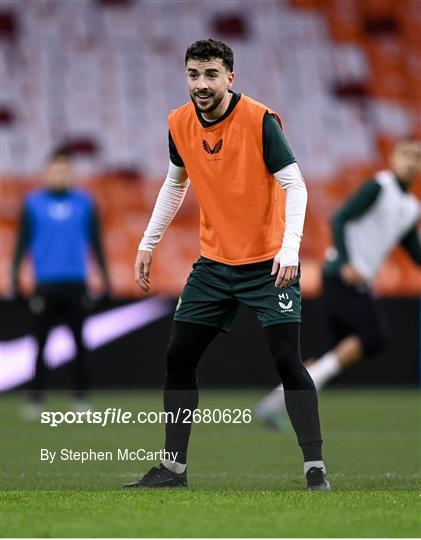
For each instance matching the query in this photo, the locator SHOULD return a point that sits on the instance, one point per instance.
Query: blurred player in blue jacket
(58, 228)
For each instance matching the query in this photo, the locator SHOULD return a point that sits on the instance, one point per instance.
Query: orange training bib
(241, 204)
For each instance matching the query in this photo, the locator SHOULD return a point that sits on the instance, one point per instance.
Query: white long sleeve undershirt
(174, 189)
(168, 202)
(292, 181)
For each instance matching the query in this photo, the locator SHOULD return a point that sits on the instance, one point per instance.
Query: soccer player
(57, 227)
(233, 151)
(382, 214)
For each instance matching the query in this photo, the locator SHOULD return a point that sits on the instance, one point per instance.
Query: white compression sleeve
(291, 179)
(169, 200)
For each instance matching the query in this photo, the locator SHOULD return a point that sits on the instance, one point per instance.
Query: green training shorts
(214, 291)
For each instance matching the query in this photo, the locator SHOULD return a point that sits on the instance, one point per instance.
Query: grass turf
(245, 480)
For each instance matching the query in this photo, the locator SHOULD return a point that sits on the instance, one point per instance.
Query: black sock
(300, 394)
(302, 408)
(181, 394)
(180, 402)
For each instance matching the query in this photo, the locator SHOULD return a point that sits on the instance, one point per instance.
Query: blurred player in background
(233, 151)
(380, 216)
(57, 227)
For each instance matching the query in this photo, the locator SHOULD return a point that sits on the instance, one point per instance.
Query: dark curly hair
(60, 152)
(208, 49)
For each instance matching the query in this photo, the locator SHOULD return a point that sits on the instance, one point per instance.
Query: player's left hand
(285, 265)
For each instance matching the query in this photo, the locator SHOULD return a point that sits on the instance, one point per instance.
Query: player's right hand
(142, 268)
(351, 276)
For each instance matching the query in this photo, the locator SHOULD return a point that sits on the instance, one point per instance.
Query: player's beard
(214, 102)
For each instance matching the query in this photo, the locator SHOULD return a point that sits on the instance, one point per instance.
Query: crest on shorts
(216, 149)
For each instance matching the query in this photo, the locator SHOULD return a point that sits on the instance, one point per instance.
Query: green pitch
(245, 480)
